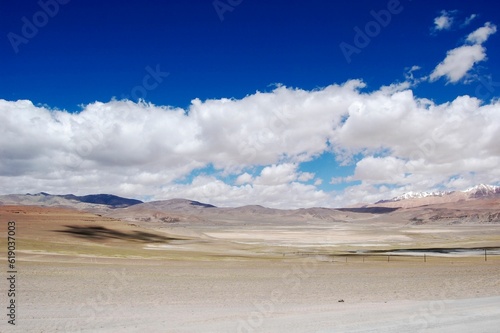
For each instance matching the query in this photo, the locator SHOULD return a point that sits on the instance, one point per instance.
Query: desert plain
(361, 271)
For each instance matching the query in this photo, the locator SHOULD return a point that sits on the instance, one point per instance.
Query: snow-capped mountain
(477, 191)
(482, 190)
(419, 195)
(415, 199)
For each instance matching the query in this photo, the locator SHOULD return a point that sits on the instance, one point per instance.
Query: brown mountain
(417, 199)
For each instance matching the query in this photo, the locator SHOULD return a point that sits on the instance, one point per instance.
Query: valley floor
(74, 294)
(79, 272)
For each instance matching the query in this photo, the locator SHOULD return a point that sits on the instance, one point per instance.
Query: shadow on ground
(369, 210)
(103, 233)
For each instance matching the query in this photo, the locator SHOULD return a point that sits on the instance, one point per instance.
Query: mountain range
(68, 200)
(416, 199)
(477, 191)
(480, 203)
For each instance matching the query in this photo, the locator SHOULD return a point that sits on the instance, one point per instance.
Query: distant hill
(104, 199)
(478, 204)
(68, 200)
(183, 210)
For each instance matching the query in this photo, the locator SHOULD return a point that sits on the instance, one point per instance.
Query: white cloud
(244, 178)
(277, 174)
(461, 60)
(396, 142)
(380, 170)
(410, 77)
(447, 19)
(284, 195)
(305, 176)
(340, 180)
(481, 35)
(422, 148)
(444, 21)
(458, 62)
(469, 19)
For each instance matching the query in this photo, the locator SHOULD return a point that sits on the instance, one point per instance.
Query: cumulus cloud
(458, 62)
(444, 21)
(318, 181)
(277, 174)
(461, 60)
(430, 145)
(283, 195)
(305, 176)
(244, 178)
(480, 35)
(395, 141)
(410, 76)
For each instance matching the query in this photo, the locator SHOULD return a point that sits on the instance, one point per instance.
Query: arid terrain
(184, 266)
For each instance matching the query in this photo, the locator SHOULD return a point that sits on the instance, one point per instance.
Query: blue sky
(76, 62)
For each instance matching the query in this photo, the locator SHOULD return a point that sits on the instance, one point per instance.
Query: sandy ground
(84, 273)
(120, 295)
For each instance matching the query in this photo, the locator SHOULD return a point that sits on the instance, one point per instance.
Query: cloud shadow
(103, 233)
